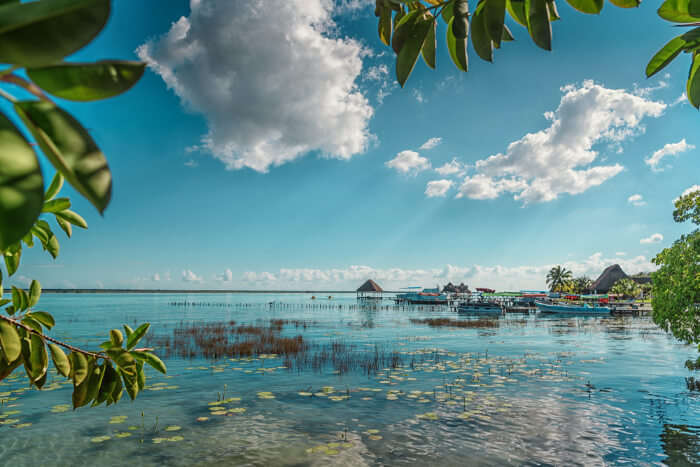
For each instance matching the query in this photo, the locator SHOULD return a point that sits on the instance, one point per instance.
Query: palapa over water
(369, 290)
(612, 274)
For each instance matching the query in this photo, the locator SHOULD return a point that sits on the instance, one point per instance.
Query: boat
(561, 308)
(424, 297)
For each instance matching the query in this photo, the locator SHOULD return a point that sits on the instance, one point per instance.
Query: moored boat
(425, 297)
(561, 308)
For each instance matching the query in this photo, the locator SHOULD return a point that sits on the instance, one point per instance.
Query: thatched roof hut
(369, 290)
(610, 275)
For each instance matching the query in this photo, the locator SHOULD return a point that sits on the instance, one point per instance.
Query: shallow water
(534, 390)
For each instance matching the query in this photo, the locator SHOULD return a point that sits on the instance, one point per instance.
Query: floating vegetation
(100, 439)
(116, 420)
(60, 408)
(173, 428)
(458, 323)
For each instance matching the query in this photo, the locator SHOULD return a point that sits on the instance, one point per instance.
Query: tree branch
(51, 339)
(26, 85)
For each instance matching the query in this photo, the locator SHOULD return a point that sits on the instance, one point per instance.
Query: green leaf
(480, 37)
(448, 11)
(21, 184)
(429, 46)
(403, 29)
(52, 246)
(115, 336)
(34, 293)
(117, 391)
(60, 360)
(65, 226)
(80, 391)
(72, 217)
(457, 49)
(412, 46)
(693, 86)
(109, 381)
(55, 187)
(124, 360)
(516, 9)
(27, 320)
(677, 11)
(131, 383)
(94, 383)
(694, 8)
(36, 359)
(12, 256)
(20, 299)
(10, 341)
(494, 17)
(43, 317)
(6, 368)
(140, 376)
(151, 359)
(128, 330)
(665, 56)
(384, 26)
(592, 7)
(538, 23)
(79, 367)
(626, 3)
(87, 81)
(136, 336)
(70, 149)
(56, 205)
(41, 33)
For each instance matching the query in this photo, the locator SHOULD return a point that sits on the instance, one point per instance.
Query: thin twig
(51, 339)
(7, 96)
(26, 85)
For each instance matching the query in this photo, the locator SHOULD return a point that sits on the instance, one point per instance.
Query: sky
(268, 146)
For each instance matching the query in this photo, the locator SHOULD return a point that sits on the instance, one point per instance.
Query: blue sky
(282, 154)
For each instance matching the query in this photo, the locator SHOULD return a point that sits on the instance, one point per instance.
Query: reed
(454, 323)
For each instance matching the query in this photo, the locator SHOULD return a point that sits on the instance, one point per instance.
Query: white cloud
(273, 79)
(670, 149)
(191, 163)
(620, 253)
(558, 159)
(419, 96)
(438, 188)
(226, 276)
(636, 200)
(528, 277)
(155, 277)
(431, 143)
(408, 161)
(691, 190)
(190, 276)
(654, 238)
(454, 167)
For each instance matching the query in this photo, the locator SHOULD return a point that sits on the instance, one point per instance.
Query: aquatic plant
(454, 323)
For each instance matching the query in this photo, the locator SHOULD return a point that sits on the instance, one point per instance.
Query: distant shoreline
(165, 291)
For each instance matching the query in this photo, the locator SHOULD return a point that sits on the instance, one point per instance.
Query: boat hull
(572, 309)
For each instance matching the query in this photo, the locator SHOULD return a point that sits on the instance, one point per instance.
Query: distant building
(370, 290)
(614, 273)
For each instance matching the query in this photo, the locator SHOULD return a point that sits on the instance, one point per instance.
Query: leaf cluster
(409, 27)
(35, 39)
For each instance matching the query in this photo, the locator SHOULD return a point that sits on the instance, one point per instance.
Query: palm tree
(557, 277)
(582, 283)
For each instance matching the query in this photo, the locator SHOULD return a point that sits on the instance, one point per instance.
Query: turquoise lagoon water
(534, 390)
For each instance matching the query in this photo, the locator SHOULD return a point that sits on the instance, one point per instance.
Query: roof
(370, 286)
(610, 275)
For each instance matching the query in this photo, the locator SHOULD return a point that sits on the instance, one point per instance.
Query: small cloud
(688, 191)
(682, 98)
(431, 143)
(408, 161)
(670, 149)
(227, 276)
(419, 96)
(620, 253)
(193, 148)
(636, 200)
(191, 163)
(451, 168)
(155, 277)
(190, 276)
(438, 188)
(655, 238)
